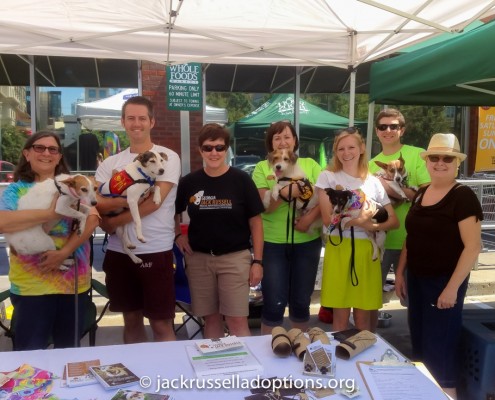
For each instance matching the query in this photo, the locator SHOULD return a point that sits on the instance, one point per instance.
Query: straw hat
(444, 144)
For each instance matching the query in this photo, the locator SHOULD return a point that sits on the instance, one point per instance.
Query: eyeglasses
(383, 127)
(208, 148)
(445, 159)
(39, 148)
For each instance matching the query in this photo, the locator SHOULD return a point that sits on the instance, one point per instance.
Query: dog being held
(134, 182)
(77, 193)
(394, 172)
(285, 169)
(348, 204)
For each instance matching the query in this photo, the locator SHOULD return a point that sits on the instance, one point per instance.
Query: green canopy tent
(459, 71)
(315, 126)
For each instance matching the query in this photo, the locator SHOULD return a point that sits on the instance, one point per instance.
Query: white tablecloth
(169, 360)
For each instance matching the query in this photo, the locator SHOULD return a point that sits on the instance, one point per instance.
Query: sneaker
(325, 315)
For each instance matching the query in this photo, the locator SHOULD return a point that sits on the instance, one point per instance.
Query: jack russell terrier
(348, 204)
(77, 194)
(286, 171)
(395, 173)
(134, 182)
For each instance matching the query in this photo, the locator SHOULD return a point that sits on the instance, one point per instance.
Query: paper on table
(217, 365)
(405, 382)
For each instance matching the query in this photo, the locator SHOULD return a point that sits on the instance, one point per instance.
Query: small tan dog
(77, 193)
(286, 171)
(134, 182)
(395, 173)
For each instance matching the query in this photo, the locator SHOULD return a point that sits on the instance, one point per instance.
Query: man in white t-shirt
(145, 289)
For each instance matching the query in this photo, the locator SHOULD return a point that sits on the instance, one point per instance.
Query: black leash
(289, 229)
(353, 260)
(354, 277)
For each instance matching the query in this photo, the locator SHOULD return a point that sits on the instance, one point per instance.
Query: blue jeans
(289, 274)
(39, 319)
(390, 258)
(435, 333)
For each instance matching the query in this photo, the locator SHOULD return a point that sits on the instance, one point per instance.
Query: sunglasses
(285, 121)
(39, 148)
(383, 127)
(208, 148)
(445, 159)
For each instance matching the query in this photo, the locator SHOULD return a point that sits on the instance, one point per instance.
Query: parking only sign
(184, 87)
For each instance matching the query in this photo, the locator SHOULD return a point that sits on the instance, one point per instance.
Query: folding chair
(183, 295)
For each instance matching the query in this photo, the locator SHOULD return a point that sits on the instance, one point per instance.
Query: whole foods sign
(184, 87)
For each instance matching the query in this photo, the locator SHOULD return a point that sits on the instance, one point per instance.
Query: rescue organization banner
(485, 150)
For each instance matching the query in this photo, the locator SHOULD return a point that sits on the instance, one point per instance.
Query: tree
(12, 143)
(238, 105)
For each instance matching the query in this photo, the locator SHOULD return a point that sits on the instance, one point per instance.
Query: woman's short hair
(213, 132)
(23, 170)
(278, 127)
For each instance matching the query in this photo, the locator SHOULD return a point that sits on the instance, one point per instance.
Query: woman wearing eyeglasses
(225, 224)
(42, 294)
(443, 241)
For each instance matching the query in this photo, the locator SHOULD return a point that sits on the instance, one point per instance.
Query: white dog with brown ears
(395, 174)
(77, 196)
(286, 171)
(134, 182)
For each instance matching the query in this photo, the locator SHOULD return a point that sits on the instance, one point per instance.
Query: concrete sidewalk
(481, 294)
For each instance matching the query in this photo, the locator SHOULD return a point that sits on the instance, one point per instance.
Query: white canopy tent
(342, 33)
(104, 114)
(338, 33)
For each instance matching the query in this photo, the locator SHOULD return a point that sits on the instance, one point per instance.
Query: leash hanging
(289, 229)
(354, 277)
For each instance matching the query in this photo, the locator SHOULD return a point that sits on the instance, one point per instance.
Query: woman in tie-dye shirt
(42, 294)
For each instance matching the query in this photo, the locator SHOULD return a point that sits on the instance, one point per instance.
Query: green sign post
(184, 87)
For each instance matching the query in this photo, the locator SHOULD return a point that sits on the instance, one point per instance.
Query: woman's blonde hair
(335, 165)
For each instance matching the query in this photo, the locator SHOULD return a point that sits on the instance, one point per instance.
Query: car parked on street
(6, 171)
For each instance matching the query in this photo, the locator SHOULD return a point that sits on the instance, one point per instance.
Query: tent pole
(465, 136)
(352, 98)
(297, 95)
(369, 132)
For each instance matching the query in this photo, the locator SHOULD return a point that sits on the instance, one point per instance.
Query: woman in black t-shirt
(443, 241)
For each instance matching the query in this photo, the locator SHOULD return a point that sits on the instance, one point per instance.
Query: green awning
(459, 71)
(315, 123)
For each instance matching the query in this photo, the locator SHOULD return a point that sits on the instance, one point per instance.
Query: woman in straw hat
(443, 241)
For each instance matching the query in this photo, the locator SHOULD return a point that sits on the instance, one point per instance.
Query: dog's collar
(146, 179)
(285, 178)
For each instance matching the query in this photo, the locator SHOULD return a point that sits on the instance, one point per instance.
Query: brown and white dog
(134, 182)
(77, 196)
(395, 173)
(286, 171)
(346, 206)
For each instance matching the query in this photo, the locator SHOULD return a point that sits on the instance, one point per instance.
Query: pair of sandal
(283, 342)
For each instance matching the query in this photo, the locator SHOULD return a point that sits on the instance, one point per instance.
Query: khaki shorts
(219, 284)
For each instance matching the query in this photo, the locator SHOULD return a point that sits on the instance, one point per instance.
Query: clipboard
(406, 377)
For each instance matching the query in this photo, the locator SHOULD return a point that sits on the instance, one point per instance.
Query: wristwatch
(260, 262)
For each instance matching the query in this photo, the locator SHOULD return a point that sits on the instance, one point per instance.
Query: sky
(69, 96)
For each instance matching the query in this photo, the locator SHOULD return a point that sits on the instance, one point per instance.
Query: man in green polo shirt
(390, 127)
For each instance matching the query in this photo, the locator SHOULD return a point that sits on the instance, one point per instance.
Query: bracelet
(176, 236)
(259, 262)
